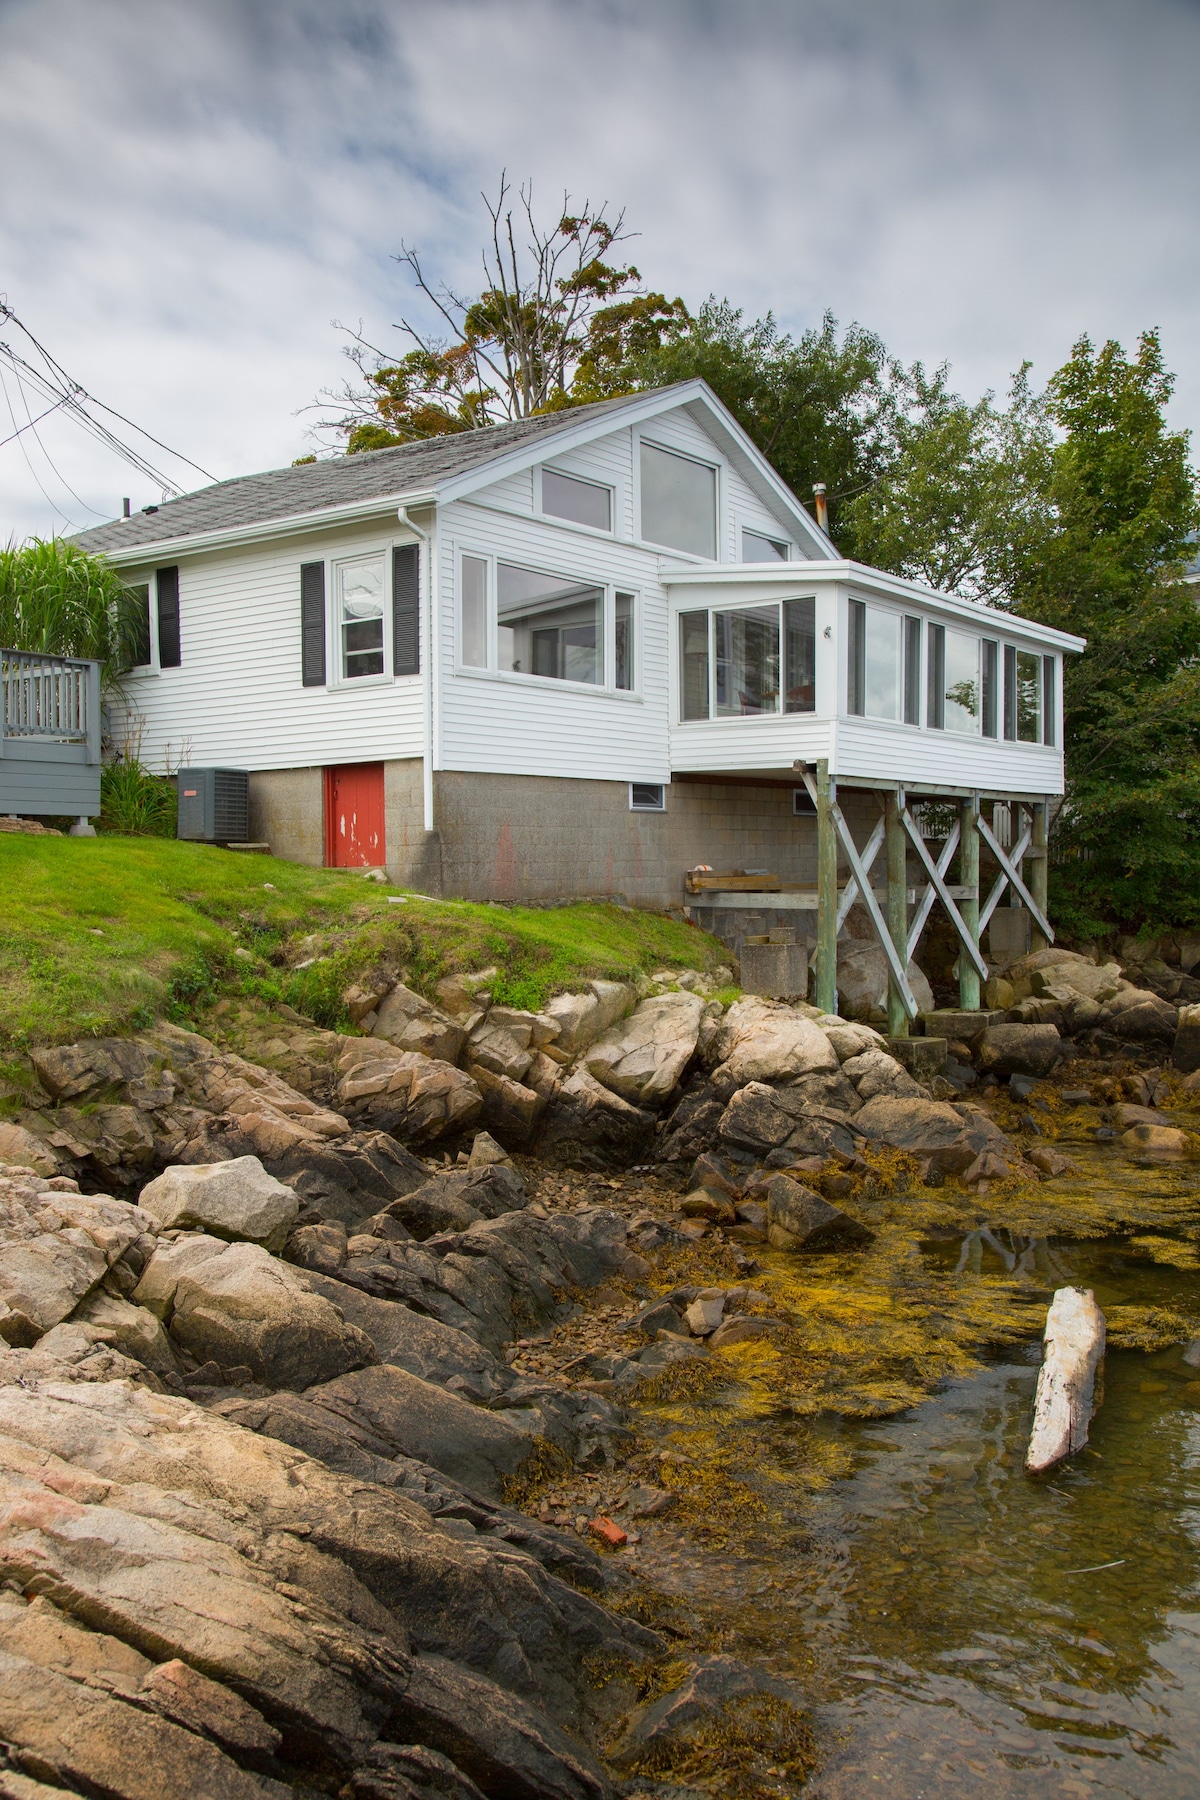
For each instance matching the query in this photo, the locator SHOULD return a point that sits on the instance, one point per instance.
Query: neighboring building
(573, 655)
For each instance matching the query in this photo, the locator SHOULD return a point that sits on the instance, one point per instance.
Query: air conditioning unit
(214, 806)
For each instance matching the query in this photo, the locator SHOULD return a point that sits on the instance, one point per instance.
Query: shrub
(134, 802)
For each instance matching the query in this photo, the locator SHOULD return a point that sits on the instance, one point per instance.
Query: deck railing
(50, 699)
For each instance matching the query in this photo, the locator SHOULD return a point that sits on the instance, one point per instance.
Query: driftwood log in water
(1065, 1400)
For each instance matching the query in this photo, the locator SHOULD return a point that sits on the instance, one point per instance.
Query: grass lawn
(103, 935)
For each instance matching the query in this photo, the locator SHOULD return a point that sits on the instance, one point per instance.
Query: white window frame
(541, 683)
(150, 580)
(718, 466)
(639, 806)
(557, 520)
(333, 621)
(775, 537)
(779, 716)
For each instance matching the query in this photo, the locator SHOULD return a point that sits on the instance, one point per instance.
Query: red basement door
(354, 829)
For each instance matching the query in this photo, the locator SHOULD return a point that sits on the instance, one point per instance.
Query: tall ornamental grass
(57, 599)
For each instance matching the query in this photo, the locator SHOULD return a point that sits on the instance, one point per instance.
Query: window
(912, 671)
(746, 660)
(800, 656)
(962, 683)
(647, 796)
(738, 651)
(1010, 693)
(166, 582)
(549, 626)
(693, 662)
(1049, 699)
(624, 643)
(874, 662)
(359, 598)
(802, 804)
(991, 651)
(952, 671)
(583, 502)
(679, 501)
(756, 548)
(1029, 697)
(139, 650)
(473, 635)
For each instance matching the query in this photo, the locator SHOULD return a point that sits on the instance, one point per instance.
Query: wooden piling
(1039, 872)
(968, 906)
(897, 909)
(827, 890)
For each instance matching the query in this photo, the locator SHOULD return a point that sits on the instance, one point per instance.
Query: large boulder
(945, 1139)
(798, 1219)
(1186, 1051)
(510, 1109)
(235, 1199)
(703, 1708)
(455, 1199)
(134, 1330)
(244, 1309)
(1140, 1016)
(863, 980)
(417, 1418)
(850, 1037)
(582, 1017)
(643, 1057)
(587, 1126)
(413, 1341)
(416, 1098)
(761, 1119)
(55, 1246)
(765, 1040)
(875, 1072)
(23, 1149)
(1006, 1050)
(410, 1022)
(1073, 977)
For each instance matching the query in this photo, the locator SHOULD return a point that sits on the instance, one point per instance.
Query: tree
(57, 599)
(514, 347)
(1123, 501)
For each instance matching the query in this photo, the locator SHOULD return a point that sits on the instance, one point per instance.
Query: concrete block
(1008, 933)
(952, 1023)
(776, 971)
(923, 1057)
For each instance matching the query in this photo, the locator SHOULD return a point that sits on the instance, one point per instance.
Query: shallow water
(964, 1629)
(981, 1631)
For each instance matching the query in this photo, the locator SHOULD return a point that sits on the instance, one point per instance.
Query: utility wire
(24, 452)
(53, 383)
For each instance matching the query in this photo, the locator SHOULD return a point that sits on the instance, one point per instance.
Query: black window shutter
(168, 619)
(406, 612)
(312, 623)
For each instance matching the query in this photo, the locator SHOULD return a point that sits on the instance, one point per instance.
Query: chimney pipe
(822, 509)
(125, 507)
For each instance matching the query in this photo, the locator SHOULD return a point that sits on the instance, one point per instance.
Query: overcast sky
(192, 190)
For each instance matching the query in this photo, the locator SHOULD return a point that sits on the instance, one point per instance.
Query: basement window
(647, 796)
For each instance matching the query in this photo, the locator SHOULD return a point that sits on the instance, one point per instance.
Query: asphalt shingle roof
(336, 481)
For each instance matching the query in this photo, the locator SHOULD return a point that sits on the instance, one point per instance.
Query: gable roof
(431, 468)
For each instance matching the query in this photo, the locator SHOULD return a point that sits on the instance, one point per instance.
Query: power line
(51, 382)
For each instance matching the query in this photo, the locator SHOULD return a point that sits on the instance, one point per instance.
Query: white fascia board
(229, 537)
(691, 395)
(877, 581)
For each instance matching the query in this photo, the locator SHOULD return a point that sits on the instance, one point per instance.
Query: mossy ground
(103, 935)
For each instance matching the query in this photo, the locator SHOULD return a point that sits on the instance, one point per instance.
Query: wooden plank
(943, 894)
(898, 972)
(733, 882)
(929, 894)
(850, 891)
(1001, 882)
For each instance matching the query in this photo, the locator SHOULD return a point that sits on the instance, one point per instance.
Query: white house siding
(522, 726)
(238, 700)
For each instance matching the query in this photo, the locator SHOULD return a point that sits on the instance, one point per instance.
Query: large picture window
(741, 662)
(549, 627)
(883, 663)
(679, 501)
(954, 688)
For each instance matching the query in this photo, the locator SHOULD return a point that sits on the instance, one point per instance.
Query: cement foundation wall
(287, 811)
(508, 837)
(414, 855)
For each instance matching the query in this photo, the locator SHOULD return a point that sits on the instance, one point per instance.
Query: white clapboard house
(579, 654)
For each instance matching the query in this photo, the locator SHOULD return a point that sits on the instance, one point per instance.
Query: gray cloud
(191, 193)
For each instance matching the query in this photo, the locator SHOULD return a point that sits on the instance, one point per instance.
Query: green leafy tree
(56, 598)
(1123, 504)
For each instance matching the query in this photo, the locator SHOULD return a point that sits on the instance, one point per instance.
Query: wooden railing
(48, 700)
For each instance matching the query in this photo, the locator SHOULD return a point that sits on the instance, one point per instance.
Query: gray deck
(49, 735)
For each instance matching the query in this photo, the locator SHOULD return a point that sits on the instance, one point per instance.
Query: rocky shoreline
(321, 1368)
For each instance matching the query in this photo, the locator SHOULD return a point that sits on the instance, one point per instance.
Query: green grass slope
(103, 935)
